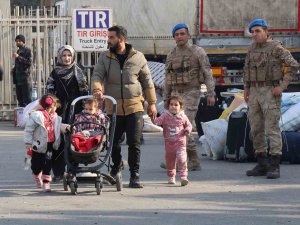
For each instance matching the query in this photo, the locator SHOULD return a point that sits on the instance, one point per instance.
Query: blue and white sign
(90, 29)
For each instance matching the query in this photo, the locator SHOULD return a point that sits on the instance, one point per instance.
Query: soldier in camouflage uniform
(187, 67)
(264, 82)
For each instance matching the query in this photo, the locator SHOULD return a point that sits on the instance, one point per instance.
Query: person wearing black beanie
(22, 71)
(20, 37)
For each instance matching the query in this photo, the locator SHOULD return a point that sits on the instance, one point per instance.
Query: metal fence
(45, 33)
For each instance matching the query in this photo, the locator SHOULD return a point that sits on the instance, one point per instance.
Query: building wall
(5, 8)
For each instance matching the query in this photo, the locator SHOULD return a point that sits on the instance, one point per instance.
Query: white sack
(290, 120)
(31, 106)
(215, 132)
(149, 126)
(205, 146)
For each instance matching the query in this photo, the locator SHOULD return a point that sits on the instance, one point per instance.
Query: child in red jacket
(89, 135)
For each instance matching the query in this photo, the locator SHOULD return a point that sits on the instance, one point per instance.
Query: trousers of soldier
(264, 116)
(191, 98)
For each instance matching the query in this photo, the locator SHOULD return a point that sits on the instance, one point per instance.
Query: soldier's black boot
(261, 168)
(274, 169)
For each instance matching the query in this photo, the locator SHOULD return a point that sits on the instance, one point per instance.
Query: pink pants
(176, 154)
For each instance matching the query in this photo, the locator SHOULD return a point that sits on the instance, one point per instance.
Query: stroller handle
(91, 96)
(72, 106)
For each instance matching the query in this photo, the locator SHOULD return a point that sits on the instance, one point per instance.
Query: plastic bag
(149, 126)
(288, 100)
(31, 106)
(215, 132)
(204, 146)
(27, 160)
(290, 120)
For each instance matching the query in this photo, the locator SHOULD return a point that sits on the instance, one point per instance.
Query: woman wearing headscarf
(67, 81)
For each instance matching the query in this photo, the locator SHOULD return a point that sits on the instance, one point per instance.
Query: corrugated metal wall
(232, 15)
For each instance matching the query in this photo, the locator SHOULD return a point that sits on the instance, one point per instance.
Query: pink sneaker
(38, 180)
(184, 181)
(171, 180)
(46, 187)
(46, 183)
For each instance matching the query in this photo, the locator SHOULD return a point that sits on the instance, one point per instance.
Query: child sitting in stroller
(89, 126)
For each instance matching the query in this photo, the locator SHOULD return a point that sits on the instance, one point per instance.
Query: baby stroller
(96, 157)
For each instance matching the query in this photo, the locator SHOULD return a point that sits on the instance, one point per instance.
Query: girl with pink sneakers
(42, 135)
(176, 126)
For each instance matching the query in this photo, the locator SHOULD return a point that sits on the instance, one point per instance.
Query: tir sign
(90, 28)
(91, 19)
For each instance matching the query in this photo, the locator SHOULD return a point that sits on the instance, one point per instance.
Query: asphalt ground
(219, 194)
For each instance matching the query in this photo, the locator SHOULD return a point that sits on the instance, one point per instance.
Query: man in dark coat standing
(21, 72)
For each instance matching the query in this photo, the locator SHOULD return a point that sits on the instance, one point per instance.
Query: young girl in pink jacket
(176, 126)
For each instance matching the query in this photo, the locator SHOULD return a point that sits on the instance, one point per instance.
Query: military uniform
(263, 72)
(186, 69)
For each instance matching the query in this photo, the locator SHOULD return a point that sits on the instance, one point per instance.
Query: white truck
(219, 26)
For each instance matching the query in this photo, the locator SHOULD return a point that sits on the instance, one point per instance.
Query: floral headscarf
(68, 71)
(61, 68)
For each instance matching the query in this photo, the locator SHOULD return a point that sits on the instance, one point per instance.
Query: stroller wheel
(65, 183)
(119, 184)
(73, 188)
(98, 187)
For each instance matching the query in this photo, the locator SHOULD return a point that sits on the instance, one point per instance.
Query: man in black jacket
(21, 72)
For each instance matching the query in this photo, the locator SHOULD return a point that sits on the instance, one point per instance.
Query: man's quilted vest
(184, 68)
(262, 64)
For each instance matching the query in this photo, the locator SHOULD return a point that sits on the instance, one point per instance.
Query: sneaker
(38, 180)
(46, 187)
(135, 182)
(184, 181)
(171, 180)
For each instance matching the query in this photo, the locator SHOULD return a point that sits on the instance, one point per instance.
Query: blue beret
(258, 22)
(179, 26)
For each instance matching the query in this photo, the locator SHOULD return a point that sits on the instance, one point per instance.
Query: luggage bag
(290, 147)
(206, 113)
(239, 146)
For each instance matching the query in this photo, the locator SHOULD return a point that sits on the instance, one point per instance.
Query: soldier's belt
(264, 83)
(183, 89)
(182, 69)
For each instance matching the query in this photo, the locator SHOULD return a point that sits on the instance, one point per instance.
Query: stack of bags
(290, 109)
